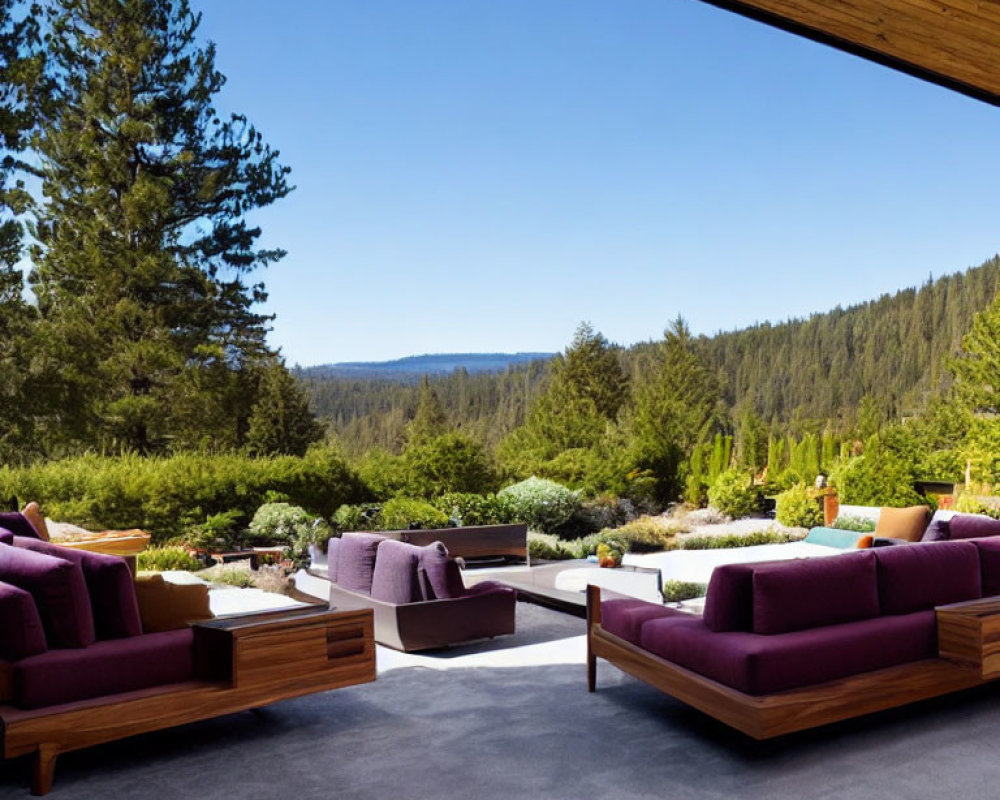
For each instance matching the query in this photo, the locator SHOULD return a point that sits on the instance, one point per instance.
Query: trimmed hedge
(167, 495)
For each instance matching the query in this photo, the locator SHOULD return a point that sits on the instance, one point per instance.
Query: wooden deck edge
(767, 716)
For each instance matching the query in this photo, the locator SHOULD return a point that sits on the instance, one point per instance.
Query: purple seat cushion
(488, 587)
(18, 524)
(809, 593)
(109, 583)
(440, 576)
(21, 631)
(989, 565)
(971, 526)
(394, 579)
(332, 558)
(626, 617)
(757, 664)
(105, 668)
(6, 536)
(917, 578)
(59, 590)
(729, 599)
(356, 560)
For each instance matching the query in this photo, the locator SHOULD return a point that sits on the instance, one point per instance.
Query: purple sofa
(775, 634)
(417, 593)
(70, 627)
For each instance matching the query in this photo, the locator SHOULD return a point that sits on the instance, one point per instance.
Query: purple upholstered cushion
(729, 599)
(6, 536)
(18, 524)
(810, 593)
(924, 576)
(440, 576)
(59, 590)
(109, 583)
(395, 577)
(626, 617)
(105, 668)
(973, 526)
(989, 565)
(356, 560)
(758, 664)
(332, 558)
(939, 528)
(21, 631)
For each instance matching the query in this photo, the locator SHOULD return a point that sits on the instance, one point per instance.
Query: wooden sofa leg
(593, 618)
(45, 768)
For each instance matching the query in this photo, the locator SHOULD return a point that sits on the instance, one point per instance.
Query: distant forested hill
(412, 368)
(797, 374)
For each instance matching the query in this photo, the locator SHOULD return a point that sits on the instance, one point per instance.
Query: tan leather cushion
(34, 515)
(903, 523)
(166, 606)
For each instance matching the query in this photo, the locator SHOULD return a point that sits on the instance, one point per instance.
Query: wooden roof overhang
(954, 43)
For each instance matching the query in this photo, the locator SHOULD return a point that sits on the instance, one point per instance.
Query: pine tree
(281, 422)
(429, 420)
(977, 367)
(143, 245)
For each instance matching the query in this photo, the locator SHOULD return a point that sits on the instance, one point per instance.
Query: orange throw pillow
(865, 542)
(908, 523)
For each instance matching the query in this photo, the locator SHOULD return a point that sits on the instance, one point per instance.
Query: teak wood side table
(969, 632)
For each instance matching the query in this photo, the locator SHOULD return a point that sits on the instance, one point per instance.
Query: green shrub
(288, 526)
(401, 513)
(678, 591)
(218, 531)
(644, 535)
(229, 574)
(972, 504)
(159, 559)
(797, 508)
(856, 524)
(880, 477)
(364, 517)
(466, 508)
(167, 496)
(733, 494)
(729, 540)
(542, 504)
(547, 547)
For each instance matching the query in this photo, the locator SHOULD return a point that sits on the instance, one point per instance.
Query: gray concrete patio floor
(512, 718)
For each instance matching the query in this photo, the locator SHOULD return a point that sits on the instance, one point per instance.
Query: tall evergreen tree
(977, 367)
(281, 422)
(144, 252)
(676, 407)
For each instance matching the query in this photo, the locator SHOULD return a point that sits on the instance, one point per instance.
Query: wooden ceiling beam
(954, 43)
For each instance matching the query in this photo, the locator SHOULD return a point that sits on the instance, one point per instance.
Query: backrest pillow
(939, 528)
(109, 583)
(394, 579)
(810, 593)
(973, 526)
(908, 523)
(440, 575)
(920, 578)
(356, 560)
(18, 524)
(332, 557)
(59, 590)
(21, 630)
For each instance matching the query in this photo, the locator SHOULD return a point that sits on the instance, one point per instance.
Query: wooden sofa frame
(241, 662)
(767, 716)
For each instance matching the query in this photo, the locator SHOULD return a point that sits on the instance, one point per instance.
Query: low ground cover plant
(738, 540)
(161, 559)
(856, 524)
(678, 591)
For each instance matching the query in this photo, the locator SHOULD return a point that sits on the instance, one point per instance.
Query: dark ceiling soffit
(915, 70)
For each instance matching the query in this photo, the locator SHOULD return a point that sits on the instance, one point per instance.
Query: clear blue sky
(477, 175)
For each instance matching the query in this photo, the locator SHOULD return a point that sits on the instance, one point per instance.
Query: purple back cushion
(989, 565)
(973, 526)
(802, 594)
(6, 536)
(729, 599)
(59, 590)
(440, 576)
(923, 576)
(18, 524)
(356, 560)
(21, 631)
(109, 583)
(332, 557)
(395, 577)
